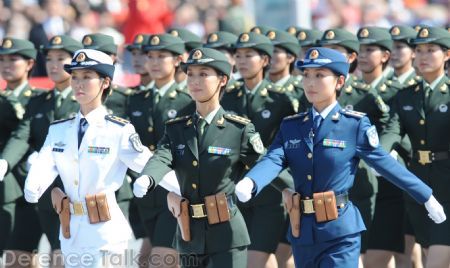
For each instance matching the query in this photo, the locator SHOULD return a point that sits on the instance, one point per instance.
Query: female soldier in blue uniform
(323, 147)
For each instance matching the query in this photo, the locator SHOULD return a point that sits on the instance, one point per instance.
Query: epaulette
(295, 116)
(235, 85)
(117, 120)
(360, 85)
(237, 118)
(62, 120)
(352, 113)
(177, 119)
(393, 83)
(275, 88)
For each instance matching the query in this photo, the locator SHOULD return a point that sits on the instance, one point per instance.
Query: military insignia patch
(301, 36)
(292, 30)
(136, 113)
(213, 38)
(334, 143)
(314, 54)
(257, 143)
(87, 41)
(271, 35)
(349, 107)
(38, 115)
(81, 57)
(136, 142)
(7, 43)
(423, 33)
(330, 35)
(364, 33)
(244, 38)
(265, 114)
(60, 144)
(197, 55)
(172, 113)
(98, 150)
(292, 144)
(395, 31)
(155, 41)
(443, 108)
(180, 149)
(407, 108)
(372, 135)
(139, 38)
(174, 33)
(219, 150)
(257, 30)
(57, 40)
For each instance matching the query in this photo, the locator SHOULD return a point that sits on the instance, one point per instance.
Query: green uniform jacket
(203, 171)
(31, 133)
(428, 129)
(12, 111)
(294, 89)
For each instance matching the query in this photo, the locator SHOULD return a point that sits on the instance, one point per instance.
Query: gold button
(422, 142)
(194, 163)
(150, 129)
(422, 122)
(152, 147)
(306, 198)
(342, 205)
(247, 167)
(309, 155)
(309, 177)
(194, 186)
(75, 182)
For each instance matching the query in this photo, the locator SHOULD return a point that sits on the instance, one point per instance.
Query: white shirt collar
(325, 111)
(96, 115)
(65, 92)
(211, 115)
(282, 81)
(434, 83)
(163, 90)
(401, 79)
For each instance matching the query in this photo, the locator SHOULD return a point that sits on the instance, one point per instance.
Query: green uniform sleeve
(392, 134)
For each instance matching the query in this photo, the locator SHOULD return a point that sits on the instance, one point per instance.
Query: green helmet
(101, 42)
(165, 42)
(341, 38)
(63, 42)
(18, 46)
(208, 57)
(375, 36)
(256, 41)
(432, 35)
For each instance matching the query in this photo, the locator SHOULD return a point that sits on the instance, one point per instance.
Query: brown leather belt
(198, 211)
(428, 157)
(307, 204)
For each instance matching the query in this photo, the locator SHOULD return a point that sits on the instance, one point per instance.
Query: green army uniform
(222, 41)
(265, 106)
(148, 111)
(421, 112)
(223, 146)
(116, 103)
(291, 84)
(16, 213)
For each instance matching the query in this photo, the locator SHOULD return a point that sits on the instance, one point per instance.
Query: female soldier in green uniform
(421, 112)
(148, 111)
(265, 105)
(209, 151)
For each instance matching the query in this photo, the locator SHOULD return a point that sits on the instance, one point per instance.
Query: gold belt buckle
(424, 157)
(308, 206)
(78, 209)
(197, 211)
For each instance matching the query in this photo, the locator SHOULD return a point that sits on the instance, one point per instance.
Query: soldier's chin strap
(215, 92)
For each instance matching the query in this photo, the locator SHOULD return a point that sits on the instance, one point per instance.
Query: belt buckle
(78, 209)
(308, 206)
(197, 211)
(424, 157)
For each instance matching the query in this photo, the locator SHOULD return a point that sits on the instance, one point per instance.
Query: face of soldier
(87, 88)
(15, 68)
(203, 82)
(162, 65)
(371, 57)
(249, 62)
(320, 86)
(280, 61)
(430, 60)
(402, 55)
(139, 60)
(54, 63)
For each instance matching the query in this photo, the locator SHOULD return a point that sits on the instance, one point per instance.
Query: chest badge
(443, 108)
(136, 113)
(172, 113)
(265, 114)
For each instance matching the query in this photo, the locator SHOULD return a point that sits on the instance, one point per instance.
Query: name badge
(219, 150)
(334, 143)
(58, 150)
(98, 150)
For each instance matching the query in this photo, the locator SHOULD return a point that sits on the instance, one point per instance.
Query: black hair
(385, 64)
(107, 91)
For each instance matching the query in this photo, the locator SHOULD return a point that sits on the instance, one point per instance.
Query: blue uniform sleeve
(270, 165)
(369, 149)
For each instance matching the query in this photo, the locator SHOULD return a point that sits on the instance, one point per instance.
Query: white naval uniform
(98, 166)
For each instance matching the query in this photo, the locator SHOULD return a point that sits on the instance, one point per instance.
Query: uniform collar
(254, 89)
(209, 118)
(18, 90)
(402, 78)
(325, 111)
(282, 81)
(182, 84)
(163, 90)
(376, 82)
(434, 83)
(94, 117)
(64, 93)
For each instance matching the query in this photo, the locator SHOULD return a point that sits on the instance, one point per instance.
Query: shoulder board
(61, 120)
(237, 118)
(233, 86)
(360, 85)
(275, 88)
(117, 120)
(392, 83)
(295, 116)
(177, 119)
(352, 113)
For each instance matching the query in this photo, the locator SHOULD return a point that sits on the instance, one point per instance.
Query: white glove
(31, 158)
(435, 210)
(170, 183)
(140, 186)
(32, 191)
(244, 189)
(3, 168)
(394, 155)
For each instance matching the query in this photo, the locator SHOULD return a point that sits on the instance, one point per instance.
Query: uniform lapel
(71, 137)
(213, 131)
(418, 100)
(327, 125)
(190, 136)
(306, 127)
(436, 95)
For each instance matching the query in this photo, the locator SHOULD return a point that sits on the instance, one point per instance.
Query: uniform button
(151, 147)
(75, 182)
(309, 177)
(422, 122)
(150, 129)
(422, 142)
(309, 155)
(194, 163)
(194, 186)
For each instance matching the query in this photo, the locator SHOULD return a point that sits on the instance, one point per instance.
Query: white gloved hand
(244, 189)
(170, 183)
(30, 196)
(140, 186)
(3, 168)
(435, 210)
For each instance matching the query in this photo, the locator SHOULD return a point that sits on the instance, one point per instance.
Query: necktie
(201, 127)
(316, 125)
(82, 130)
(427, 97)
(58, 100)
(156, 97)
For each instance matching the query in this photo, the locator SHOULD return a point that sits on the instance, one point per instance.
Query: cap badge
(197, 55)
(154, 41)
(244, 38)
(81, 57)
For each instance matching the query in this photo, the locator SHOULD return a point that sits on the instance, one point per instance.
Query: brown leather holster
(97, 208)
(217, 208)
(291, 202)
(325, 206)
(61, 204)
(179, 206)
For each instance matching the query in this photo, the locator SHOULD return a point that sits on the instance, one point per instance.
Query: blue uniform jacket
(329, 163)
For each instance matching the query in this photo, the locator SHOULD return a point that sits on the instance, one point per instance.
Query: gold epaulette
(360, 85)
(295, 116)
(275, 88)
(117, 120)
(352, 113)
(234, 86)
(62, 120)
(237, 118)
(177, 119)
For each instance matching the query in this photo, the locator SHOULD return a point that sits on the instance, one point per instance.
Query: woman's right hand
(140, 186)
